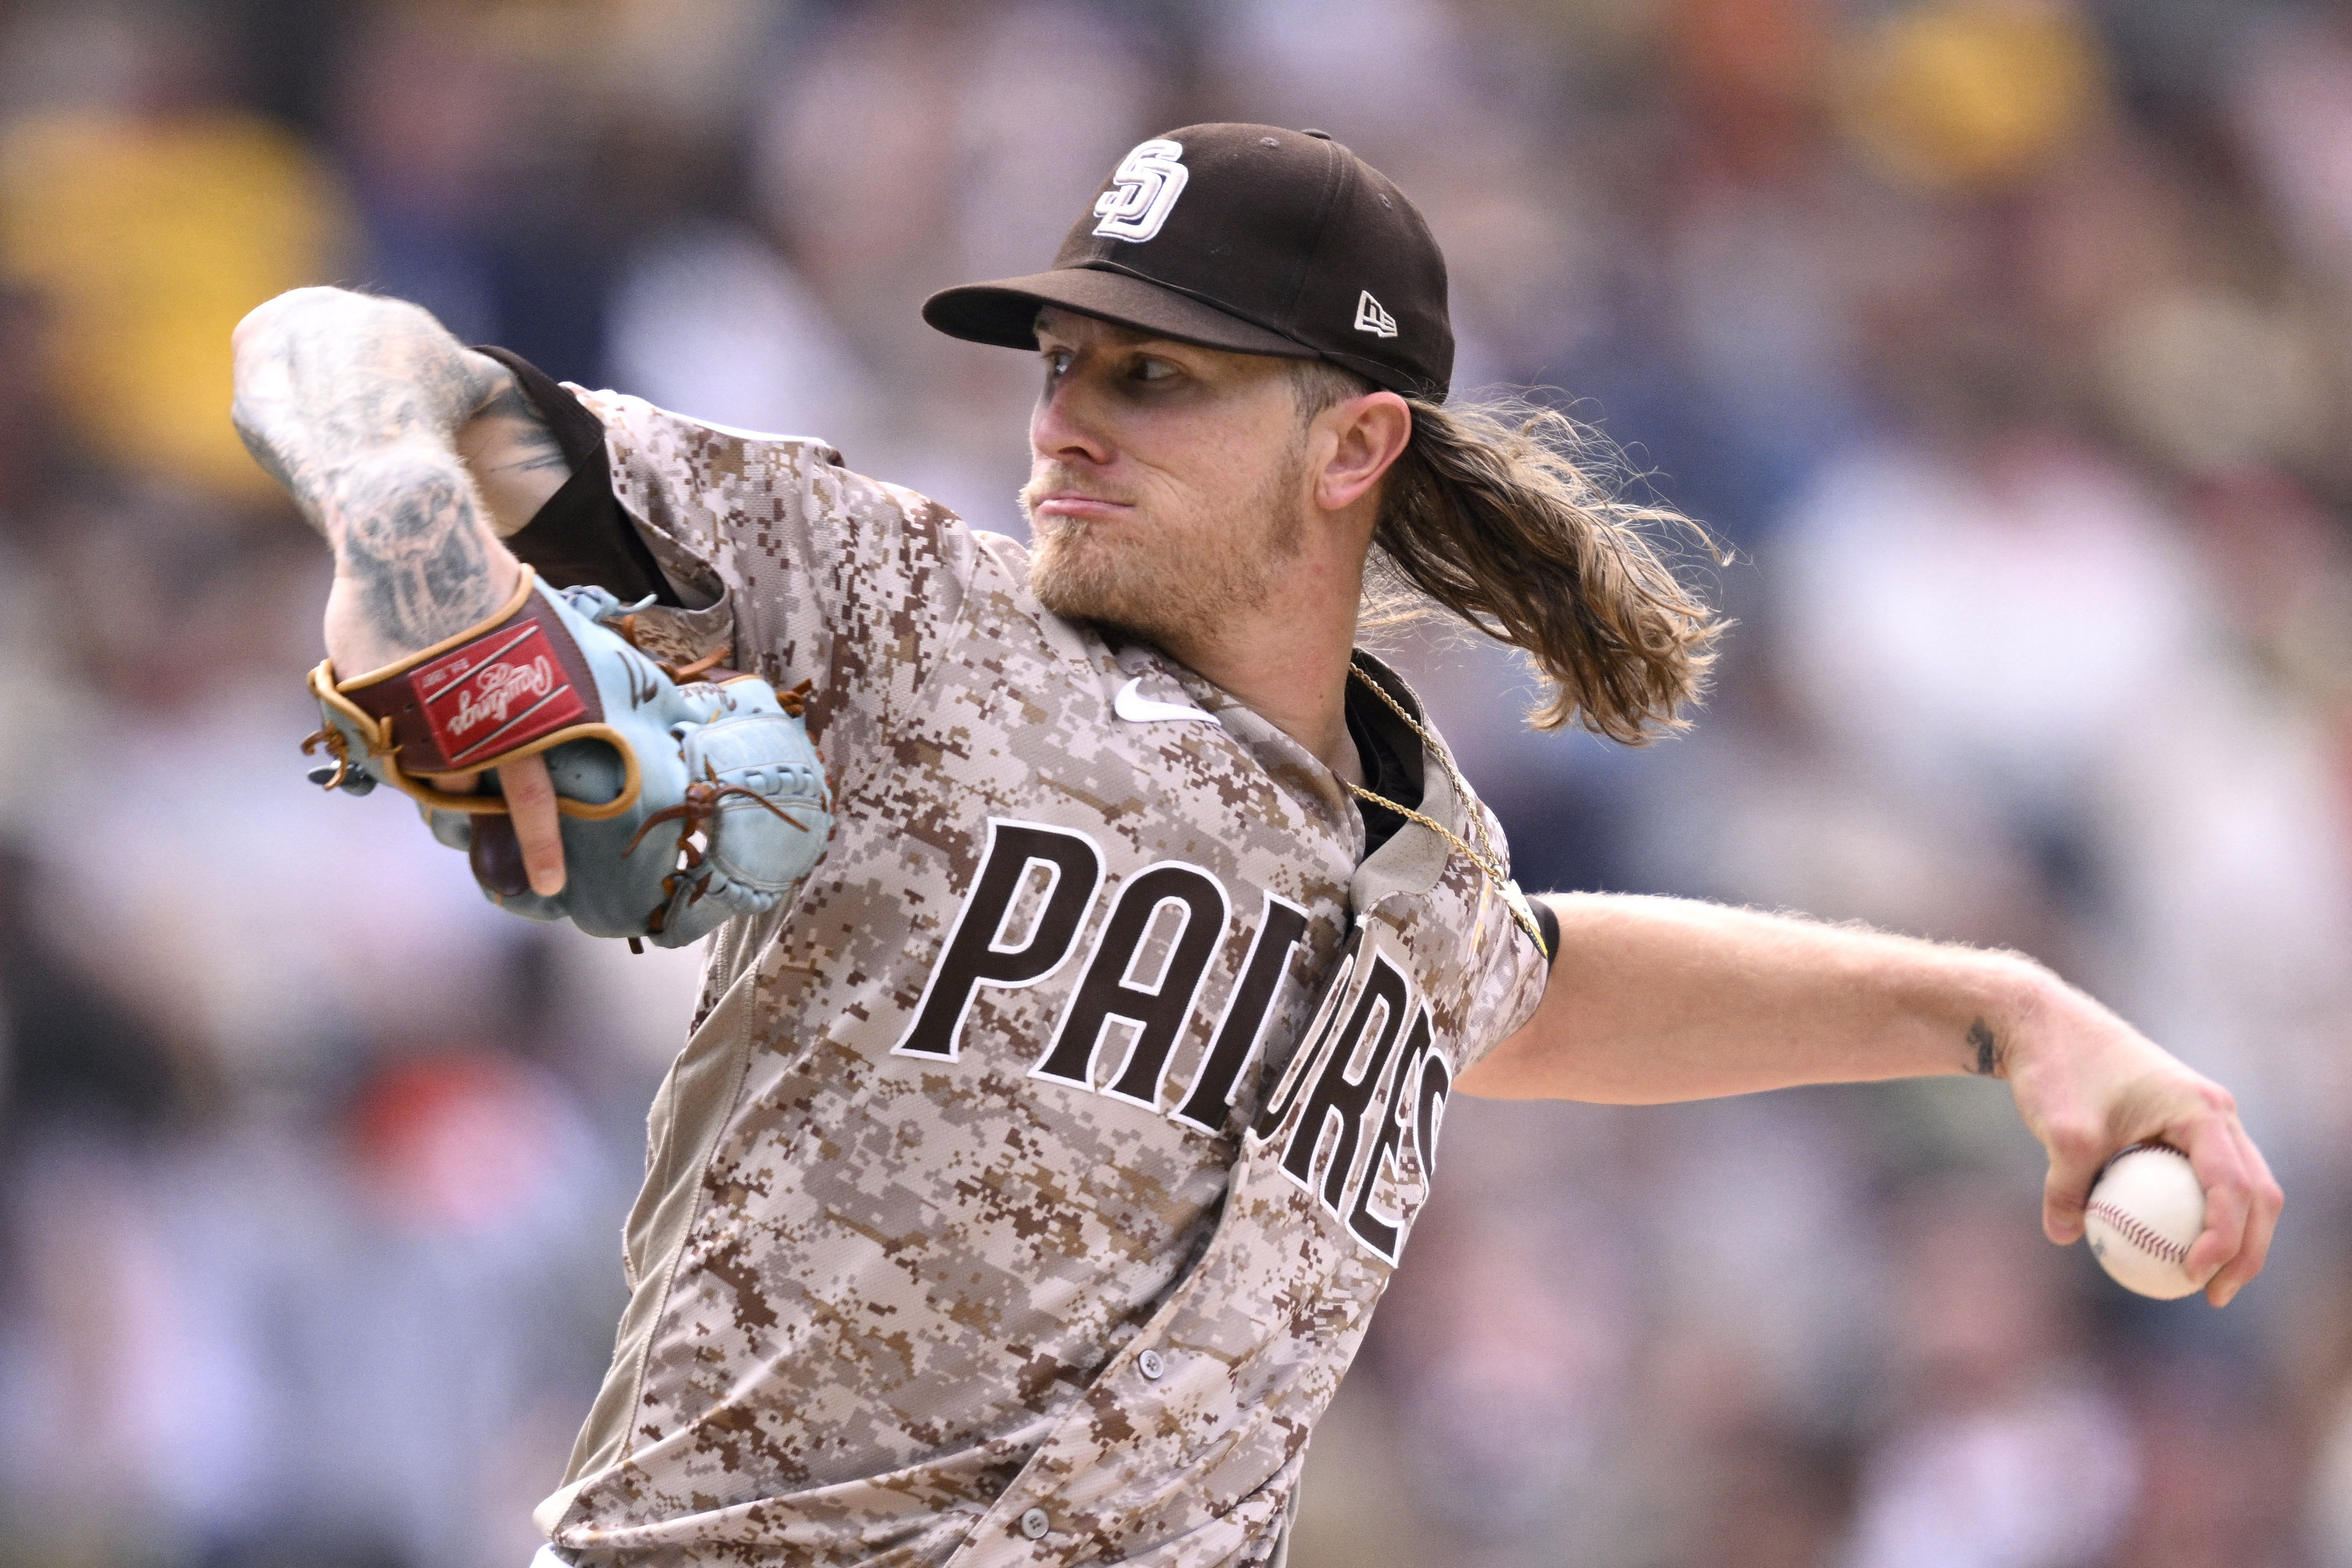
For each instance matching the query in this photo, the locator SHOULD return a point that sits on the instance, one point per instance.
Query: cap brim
(1005, 312)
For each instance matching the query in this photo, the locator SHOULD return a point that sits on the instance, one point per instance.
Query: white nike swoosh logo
(1134, 706)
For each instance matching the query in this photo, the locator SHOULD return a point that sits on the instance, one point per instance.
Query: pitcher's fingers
(2222, 1169)
(2264, 1200)
(531, 800)
(2077, 1154)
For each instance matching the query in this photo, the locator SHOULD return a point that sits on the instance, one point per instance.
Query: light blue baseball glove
(687, 797)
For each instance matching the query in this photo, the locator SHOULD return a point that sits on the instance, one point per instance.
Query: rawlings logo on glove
(631, 748)
(466, 691)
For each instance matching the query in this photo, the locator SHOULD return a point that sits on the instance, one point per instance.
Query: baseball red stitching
(2136, 1232)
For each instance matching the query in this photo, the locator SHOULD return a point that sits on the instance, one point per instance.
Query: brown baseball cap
(1247, 238)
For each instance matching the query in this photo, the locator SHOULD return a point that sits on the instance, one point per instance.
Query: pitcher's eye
(1147, 368)
(1057, 363)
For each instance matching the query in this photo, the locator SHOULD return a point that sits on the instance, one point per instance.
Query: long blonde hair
(1495, 514)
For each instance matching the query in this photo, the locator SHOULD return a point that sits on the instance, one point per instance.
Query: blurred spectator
(2001, 1449)
(1959, 94)
(77, 1057)
(2291, 99)
(489, 154)
(1982, 622)
(146, 216)
(2217, 1469)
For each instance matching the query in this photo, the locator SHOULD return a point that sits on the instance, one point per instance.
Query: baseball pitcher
(1098, 935)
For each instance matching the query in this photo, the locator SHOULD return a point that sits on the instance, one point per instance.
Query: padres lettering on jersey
(1046, 1158)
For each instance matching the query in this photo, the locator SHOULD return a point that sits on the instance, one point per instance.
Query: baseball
(2145, 1208)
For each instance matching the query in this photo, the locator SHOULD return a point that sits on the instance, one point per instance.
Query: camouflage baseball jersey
(1023, 1190)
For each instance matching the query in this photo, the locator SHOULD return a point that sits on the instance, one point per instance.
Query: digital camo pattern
(965, 1202)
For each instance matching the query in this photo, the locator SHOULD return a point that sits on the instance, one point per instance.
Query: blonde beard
(1161, 591)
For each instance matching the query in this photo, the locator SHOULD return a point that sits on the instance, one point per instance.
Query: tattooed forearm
(414, 549)
(353, 404)
(324, 377)
(1990, 1060)
(524, 440)
(513, 456)
(266, 456)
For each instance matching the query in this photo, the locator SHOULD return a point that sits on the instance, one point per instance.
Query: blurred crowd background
(2006, 345)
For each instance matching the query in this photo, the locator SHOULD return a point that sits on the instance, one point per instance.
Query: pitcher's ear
(1367, 434)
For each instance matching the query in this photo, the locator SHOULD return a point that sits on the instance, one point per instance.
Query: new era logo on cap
(1371, 318)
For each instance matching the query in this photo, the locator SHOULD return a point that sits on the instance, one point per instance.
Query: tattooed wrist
(1988, 1058)
(410, 539)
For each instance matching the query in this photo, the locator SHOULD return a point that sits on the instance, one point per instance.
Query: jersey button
(1035, 1524)
(1151, 1364)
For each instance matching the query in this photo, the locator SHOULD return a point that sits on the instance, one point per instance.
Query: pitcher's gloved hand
(686, 798)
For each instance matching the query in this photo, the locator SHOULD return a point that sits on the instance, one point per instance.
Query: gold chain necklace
(1484, 856)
